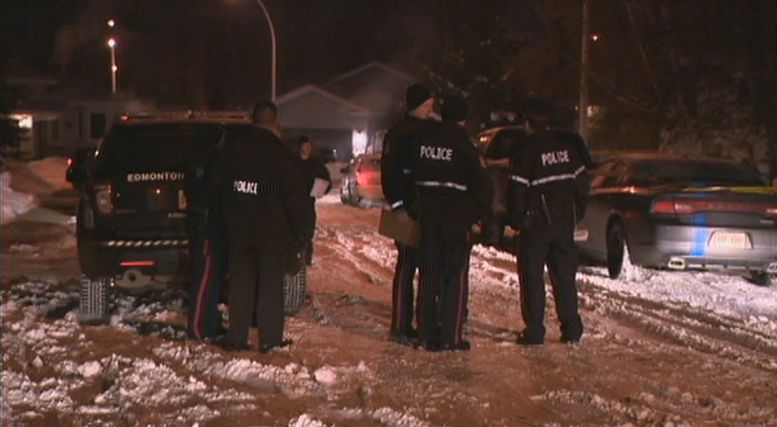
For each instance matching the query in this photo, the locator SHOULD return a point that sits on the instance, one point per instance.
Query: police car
(497, 145)
(131, 218)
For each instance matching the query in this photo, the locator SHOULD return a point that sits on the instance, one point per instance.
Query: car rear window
(140, 148)
(503, 144)
(695, 173)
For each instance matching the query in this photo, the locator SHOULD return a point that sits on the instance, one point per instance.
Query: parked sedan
(361, 181)
(680, 213)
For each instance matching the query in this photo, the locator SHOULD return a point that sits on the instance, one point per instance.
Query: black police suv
(131, 218)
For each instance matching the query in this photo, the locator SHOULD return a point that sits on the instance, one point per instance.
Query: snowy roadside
(719, 293)
(140, 370)
(13, 203)
(182, 382)
(25, 183)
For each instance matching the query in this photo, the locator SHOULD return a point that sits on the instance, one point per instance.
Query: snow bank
(13, 203)
(492, 270)
(51, 170)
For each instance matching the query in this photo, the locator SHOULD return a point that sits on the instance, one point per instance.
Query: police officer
(398, 147)
(550, 184)
(207, 251)
(453, 195)
(265, 213)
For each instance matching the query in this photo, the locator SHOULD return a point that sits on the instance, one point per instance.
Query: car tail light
(103, 198)
(183, 203)
(366, 178)
(663, 207)
(69, 161)
(138, 263)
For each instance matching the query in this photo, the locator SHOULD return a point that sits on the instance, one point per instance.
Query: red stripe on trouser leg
(205, 283)
(398, 292)
(463, 284)
(419, 300)
(521, 285)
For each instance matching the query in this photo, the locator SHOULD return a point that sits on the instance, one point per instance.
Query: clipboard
(407, 233)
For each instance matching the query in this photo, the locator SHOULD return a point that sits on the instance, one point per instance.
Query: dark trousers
(554, 245)
(208, 257)
(256, 292)
(402, 289)
(442, 293)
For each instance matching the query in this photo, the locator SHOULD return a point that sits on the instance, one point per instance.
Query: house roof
(312, 89)
(371, 68)
(375, 86)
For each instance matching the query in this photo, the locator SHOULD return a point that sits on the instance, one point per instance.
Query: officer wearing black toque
(549, 185)
(453, 195)
(398, 146)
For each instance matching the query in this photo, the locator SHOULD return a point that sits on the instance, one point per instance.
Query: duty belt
(453, 185)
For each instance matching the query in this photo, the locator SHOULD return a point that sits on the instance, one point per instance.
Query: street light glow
(111, 23)
(114, 68)
(111, 42)
(595, 37)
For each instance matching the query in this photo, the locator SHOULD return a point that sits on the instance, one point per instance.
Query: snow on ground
(51, 170)
(176, 372)
(24, 183)
(13, 203)
(724, 294)
(50, 361)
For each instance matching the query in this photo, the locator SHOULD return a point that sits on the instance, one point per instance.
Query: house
(58, 122)
(333, 122)
(349, 112)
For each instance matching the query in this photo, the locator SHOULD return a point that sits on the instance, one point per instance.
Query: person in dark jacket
(398, 147)
(318, 182)
(454, 195)
(550, 185)
(266, 216)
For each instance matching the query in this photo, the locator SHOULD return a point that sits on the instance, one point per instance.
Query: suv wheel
(761, 278)
(94, 301)
(616, 248)
(295, 291)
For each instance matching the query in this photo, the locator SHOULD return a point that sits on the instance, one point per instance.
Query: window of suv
(154, 147)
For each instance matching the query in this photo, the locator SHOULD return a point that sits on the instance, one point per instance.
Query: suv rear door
(144, 168)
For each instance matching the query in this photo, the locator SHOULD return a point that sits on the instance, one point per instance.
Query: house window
(96, 125)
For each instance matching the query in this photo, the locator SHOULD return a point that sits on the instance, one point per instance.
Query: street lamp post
(114, 68)
(273, 49)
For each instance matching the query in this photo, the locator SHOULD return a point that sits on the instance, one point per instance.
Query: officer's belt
(547, 179)
(452, 185)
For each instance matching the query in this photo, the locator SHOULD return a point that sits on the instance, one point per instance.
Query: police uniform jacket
(549, 182)
(450, 177)
(399, 145)
(263, 191)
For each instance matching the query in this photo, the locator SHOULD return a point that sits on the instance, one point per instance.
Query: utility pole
(585, 51)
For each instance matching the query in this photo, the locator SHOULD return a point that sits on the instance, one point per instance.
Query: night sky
(216, 52)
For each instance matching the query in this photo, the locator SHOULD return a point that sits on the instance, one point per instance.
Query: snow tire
(616, 249)
(94, 302)
(295, 291)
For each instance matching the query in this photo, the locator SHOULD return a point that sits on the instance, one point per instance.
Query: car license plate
(728, 240)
